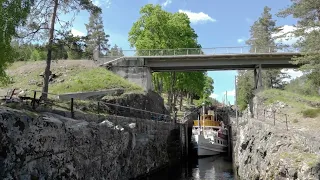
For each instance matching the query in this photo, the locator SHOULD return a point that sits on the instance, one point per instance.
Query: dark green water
(199, 169)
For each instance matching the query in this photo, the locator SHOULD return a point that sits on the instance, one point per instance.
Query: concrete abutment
(135, 71)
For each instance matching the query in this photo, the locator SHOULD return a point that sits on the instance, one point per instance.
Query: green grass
(93, 80)
(77, 78)
(301, 157)
(311, 113)
(293, 99)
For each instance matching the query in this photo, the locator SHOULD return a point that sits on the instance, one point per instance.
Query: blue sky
(218, 23)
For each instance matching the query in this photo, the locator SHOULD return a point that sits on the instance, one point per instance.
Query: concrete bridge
(137, 65)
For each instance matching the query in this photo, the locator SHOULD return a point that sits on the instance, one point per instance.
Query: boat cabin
(207, 120)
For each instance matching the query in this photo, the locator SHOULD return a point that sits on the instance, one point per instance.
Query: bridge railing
(205, 51)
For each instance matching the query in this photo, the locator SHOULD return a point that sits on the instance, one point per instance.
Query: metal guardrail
(267, 115)
(36, 101)
(204, 51)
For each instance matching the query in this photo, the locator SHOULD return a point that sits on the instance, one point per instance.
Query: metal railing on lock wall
(267, 115)
(98, 107)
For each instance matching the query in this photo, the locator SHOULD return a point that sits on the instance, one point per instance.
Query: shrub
(311, 113)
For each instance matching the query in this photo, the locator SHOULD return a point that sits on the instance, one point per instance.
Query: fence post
(98, 108)
(71, 108)
(287, 122)
(274, 118)
(187, 51)
(34, 99)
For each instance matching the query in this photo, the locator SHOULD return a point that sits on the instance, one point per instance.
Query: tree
(12, 14)
(244, 89)
(96, 35)
(261, 41)
(42, 21)
(159, 29)
(207, 90)
(116, 51)
(308, 27)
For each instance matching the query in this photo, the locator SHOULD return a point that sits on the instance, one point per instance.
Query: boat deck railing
(207, 127)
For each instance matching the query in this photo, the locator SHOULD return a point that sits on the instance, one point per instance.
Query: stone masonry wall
(49, 146)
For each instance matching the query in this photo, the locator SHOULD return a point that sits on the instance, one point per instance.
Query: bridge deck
(217, 62)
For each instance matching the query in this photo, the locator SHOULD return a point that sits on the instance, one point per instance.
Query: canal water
(215, 168)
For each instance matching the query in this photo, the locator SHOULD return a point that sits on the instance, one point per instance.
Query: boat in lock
(209, 136)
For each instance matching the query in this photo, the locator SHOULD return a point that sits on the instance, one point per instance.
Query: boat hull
(207, 147)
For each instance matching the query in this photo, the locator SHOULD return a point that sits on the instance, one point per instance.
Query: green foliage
(311, 113)
(159, 29)
(35, 55)
(302, 85)
(116, 51)
(245, 89)
(261, 41)
(308, 26)
(96, 36)
(12, 14)
(207, 90)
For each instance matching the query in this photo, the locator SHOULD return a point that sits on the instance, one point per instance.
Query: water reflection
(200, 169)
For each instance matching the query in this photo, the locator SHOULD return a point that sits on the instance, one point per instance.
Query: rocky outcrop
(131, 104)
(49, 146)
(264, 151)
(150, 101)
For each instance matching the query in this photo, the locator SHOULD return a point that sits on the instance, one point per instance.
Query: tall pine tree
(261, 41)
(96, 37)
(308, 27)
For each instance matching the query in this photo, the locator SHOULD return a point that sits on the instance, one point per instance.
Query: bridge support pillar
(134, 71)
(258, 77)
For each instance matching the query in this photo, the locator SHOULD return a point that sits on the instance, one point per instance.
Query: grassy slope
(77, 76)
(298, 106)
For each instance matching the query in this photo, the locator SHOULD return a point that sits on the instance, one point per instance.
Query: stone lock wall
(49, 146)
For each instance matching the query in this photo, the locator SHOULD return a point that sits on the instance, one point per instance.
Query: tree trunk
(51, 36)
(191, 99)
(173, 79)
(181, 98)
(175, 100)
(160, 86)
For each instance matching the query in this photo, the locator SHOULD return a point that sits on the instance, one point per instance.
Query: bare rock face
(49, 146)
(264, 151)
(150, 102)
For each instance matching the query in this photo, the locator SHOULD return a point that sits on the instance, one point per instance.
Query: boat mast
(203, 106)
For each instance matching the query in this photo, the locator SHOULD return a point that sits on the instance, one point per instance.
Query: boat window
(218, 142)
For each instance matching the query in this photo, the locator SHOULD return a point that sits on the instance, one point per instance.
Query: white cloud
(197, 17)
(230, 93)
(240, 40)
(214, 96)
(289, 37)
(166, 3)
(76, 32)
(102, 3)
(293, 73)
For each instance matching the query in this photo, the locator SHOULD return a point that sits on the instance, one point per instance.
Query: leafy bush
(311, 113)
